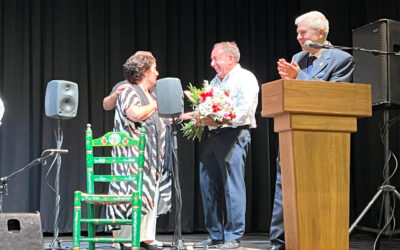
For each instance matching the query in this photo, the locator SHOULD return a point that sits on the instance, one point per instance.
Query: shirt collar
(318, 53)
(236, 68)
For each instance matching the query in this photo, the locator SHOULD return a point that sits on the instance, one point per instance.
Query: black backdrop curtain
(87, 41)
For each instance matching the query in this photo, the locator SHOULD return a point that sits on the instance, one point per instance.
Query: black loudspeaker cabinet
(169, 97)
(21, 231)
(61, 100)
(381, 71)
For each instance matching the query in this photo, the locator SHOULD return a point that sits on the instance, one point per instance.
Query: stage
(358, 241)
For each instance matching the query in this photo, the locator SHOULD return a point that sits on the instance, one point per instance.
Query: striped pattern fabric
(155, 176)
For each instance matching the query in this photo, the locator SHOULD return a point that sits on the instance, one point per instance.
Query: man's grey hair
(317, 21)
(230, 48)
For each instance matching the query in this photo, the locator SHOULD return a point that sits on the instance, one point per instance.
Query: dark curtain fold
(87, 41)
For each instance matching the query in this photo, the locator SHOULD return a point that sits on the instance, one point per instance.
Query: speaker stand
(56, 243)
(385, 190)
(177, 242)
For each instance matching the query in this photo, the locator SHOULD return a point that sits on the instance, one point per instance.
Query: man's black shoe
(123, 247)
(207, 242)
(149, 246)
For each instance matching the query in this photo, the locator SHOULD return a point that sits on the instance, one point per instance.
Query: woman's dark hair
(136, 65)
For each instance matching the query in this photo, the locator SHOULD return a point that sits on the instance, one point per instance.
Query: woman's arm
(140, 113)
(110, 100)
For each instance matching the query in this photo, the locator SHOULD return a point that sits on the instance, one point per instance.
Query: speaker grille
(67, 104)
(381, 71)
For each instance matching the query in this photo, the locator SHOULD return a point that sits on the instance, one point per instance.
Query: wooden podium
(314, 121)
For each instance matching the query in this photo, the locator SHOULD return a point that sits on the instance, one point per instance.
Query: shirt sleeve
(127, 98)
(245, 99)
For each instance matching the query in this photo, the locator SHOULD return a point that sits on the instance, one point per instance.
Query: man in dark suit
(310, 64)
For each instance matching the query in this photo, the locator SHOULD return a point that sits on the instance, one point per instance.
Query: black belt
(219, 130)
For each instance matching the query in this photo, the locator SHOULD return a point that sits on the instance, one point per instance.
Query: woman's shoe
(123, 247)
(150, 246)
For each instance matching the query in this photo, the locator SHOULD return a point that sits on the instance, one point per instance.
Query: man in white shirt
(223, 157)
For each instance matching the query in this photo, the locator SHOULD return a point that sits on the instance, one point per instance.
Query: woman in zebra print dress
(137, 106)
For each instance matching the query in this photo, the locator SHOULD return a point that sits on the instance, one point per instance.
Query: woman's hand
(182, 117)
(153, 104)
(187, 116)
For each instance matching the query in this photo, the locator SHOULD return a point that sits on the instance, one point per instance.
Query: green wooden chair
(108, 140)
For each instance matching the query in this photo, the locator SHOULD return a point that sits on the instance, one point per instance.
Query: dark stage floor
(358, 241)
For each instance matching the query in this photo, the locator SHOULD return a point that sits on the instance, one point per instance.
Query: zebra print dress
(156, 177)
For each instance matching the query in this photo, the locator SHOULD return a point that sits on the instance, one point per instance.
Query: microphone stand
(371, 51)
(385, 189)
(177, 242)
(4, 180)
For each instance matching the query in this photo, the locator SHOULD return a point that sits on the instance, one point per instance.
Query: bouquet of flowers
(208, 101)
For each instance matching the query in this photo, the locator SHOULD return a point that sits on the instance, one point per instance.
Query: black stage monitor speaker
(169, 97)
(21, 231)
(61, 99)
(382, 71)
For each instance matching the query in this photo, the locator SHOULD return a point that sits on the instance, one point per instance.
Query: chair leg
(91, 226)
(76, 230)
(136, 219)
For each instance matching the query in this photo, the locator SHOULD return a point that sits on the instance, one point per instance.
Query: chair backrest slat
(110, 178)
(110, 139)
(109, 160)
(114, 139)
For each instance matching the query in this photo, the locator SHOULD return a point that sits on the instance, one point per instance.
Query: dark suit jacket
(333, 65)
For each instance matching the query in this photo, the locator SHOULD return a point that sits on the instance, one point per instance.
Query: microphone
(59, 151)
(310, 44)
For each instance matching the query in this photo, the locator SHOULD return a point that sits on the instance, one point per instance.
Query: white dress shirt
(243, 88)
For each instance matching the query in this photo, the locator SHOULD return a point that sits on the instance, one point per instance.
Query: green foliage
(192, 131)
(194, 95)
(189, 129)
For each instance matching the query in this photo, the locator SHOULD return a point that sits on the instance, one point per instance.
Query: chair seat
(105, 239)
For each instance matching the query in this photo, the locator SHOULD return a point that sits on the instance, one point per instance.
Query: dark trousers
(223, 190)
(277, 232)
